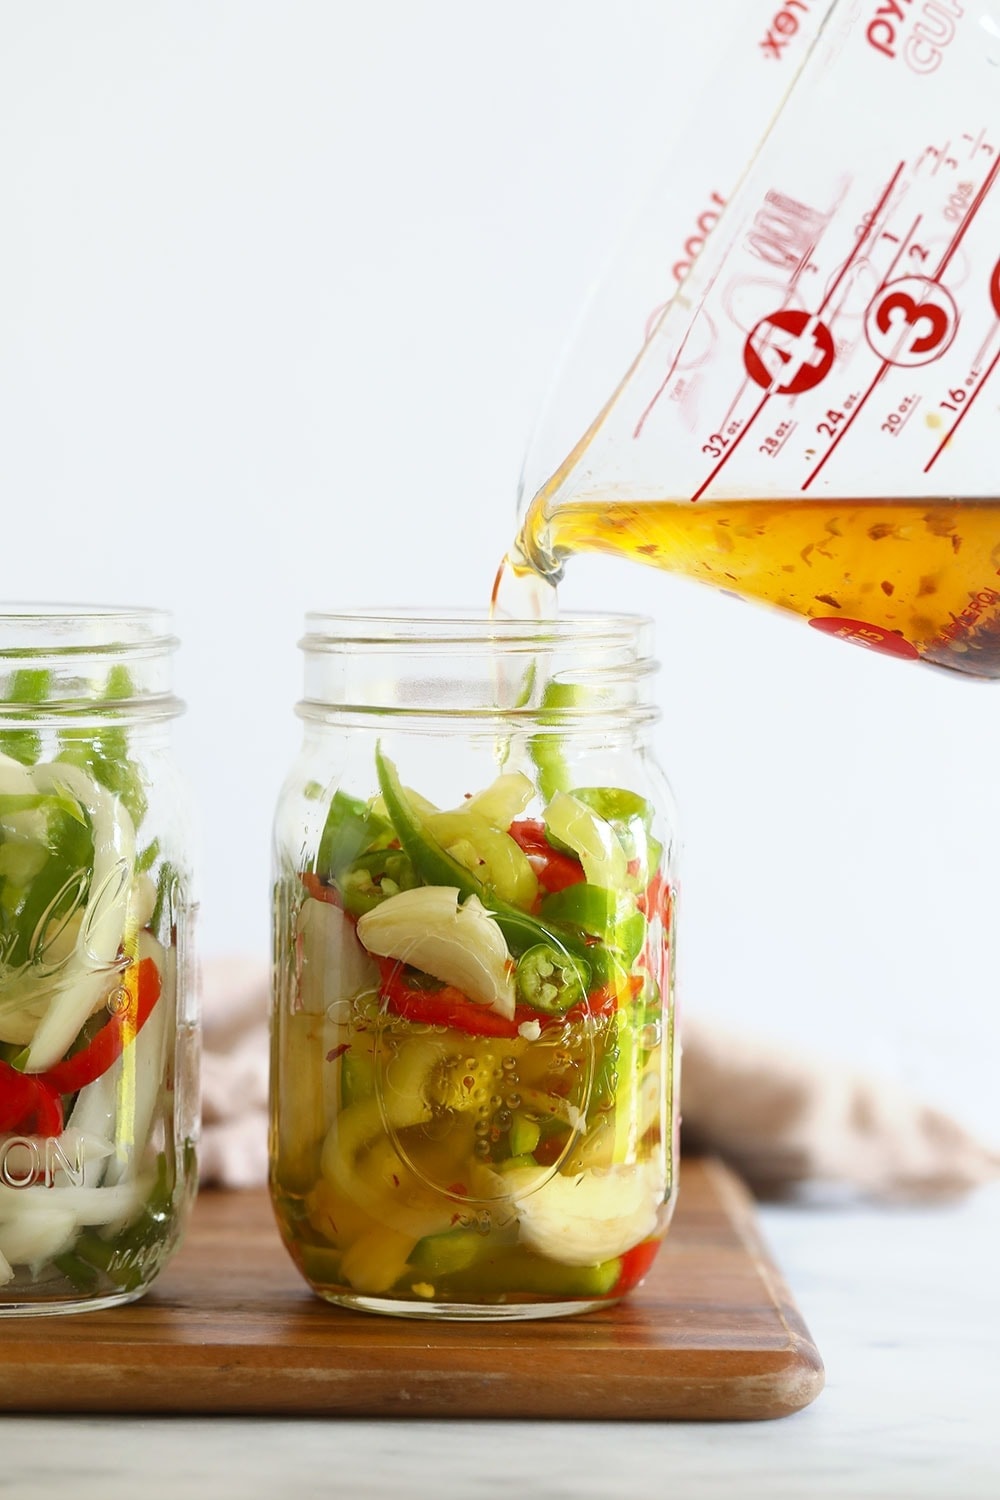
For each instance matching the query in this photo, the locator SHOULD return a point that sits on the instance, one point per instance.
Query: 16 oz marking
(958, 393)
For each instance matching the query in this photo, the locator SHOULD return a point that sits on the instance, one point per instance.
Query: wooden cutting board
(230, 1327)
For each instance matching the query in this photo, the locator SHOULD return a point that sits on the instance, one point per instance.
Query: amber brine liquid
(914, 579)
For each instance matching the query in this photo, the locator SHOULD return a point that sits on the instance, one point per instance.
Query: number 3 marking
(911, 321)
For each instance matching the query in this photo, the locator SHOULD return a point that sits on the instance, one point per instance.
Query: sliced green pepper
(436, 866)
(516, 1270)
(489, 853)
(146, 858)
(550, 981)
(524, 1137)
(373, 877)
(631, 816)
(167, 888)
(452, 1250)
(616, 804)
(357, 1076)
(104, 753)
(351, 828)
(26, 685)
(547, 749)
(601, 913)
(42, 883)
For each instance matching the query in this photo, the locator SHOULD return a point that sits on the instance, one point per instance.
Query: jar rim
(53, 627)
(59, 660)
(451, 627)
(422, 664)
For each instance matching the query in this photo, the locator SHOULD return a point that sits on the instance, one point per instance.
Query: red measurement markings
(846, 427)
(956, 240)
(855, 253)
(728, 417)
(772, 445)
(835, 416)
(868, 232)
(962, 414)
(873, 221)
(907, 238)
(733, 445)
(785, 308)
(637, 430)
(813, 327)
(718, 441)
(805, 264)
(911, 321)
(958, 393)
(979, 144)
(694, 245)
(789, 352)
(897, 420)
(898, 300)
(971, 212)
(973, 209)
(942, 157)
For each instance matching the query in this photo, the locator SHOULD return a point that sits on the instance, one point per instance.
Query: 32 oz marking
(719, 441)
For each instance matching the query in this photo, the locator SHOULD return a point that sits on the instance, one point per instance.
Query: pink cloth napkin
(786, 1121)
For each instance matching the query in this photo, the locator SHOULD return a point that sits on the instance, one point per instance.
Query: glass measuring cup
(807, 419)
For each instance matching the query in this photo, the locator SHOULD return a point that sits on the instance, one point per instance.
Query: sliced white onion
(460, 945)
(91, 970)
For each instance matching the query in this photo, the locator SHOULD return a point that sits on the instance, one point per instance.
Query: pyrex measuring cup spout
(525, 584)
(533, 550)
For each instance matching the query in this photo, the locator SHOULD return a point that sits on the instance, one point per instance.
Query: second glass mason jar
(474, 1071)
(98, 1059)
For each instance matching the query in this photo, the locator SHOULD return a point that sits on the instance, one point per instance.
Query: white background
(282, 286)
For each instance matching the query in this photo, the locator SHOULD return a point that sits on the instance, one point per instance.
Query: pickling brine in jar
(98, 1060)
(473, 1105)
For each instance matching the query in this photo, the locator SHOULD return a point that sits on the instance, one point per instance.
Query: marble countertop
(904, 1305)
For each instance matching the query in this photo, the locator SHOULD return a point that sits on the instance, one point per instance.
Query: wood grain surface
(230, 1327)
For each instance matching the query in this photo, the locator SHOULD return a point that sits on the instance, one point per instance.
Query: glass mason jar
(98, 1051)
(473, 1098)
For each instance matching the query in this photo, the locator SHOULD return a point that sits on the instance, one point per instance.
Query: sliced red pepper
(319, 890)
(448, 1006)
(555, 870)
(657, 899)
(636, 1265)
(551, 1147)
(106, 1047)
(28, 1105)
(443, 1007)
(605, 1001)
